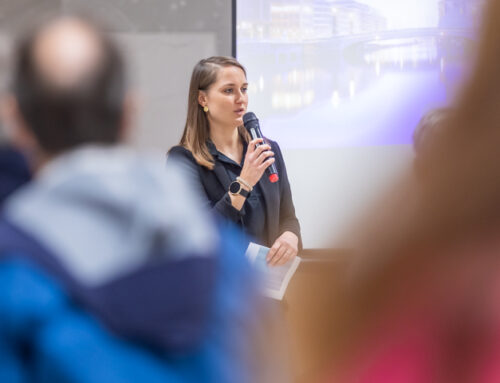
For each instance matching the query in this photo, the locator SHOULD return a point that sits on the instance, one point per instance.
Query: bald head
(69, 81)
(67, 52)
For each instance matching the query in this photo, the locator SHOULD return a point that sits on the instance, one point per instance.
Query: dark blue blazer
(213, 186)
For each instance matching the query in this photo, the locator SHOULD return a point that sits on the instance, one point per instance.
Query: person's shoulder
(179, 152)
(274, 146)
(271, 142)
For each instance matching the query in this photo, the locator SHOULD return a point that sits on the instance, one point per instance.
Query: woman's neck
(226, 140)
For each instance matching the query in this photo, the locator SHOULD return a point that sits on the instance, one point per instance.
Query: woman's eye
(229, 90)
(244, 90)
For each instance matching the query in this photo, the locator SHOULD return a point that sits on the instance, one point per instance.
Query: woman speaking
(228, 167)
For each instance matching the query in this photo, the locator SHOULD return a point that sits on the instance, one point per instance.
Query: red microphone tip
(274, 178)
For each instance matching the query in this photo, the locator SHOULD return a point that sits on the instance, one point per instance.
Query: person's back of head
(428, 127)
(69, 83)
(426, 135)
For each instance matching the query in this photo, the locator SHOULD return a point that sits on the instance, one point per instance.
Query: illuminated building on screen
(351, 18)
(300, 20)
(459, 13)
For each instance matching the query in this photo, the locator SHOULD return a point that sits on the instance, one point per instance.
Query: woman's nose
(240, 97)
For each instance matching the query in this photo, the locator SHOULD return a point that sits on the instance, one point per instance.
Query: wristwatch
(236, 188)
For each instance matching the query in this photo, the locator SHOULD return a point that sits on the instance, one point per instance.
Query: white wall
(161, 69)
(331, 187)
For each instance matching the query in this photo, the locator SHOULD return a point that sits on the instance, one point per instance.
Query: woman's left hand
(284, 249)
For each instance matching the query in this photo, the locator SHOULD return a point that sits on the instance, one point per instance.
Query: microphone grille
(249, 116)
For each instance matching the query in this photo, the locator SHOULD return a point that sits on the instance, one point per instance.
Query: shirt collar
(215, 153)
(211, 148)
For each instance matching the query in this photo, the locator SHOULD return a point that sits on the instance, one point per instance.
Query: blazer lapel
(221, 174)
(219, 170)
(270, 192)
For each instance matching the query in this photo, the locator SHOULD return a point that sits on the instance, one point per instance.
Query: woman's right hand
(257, 159)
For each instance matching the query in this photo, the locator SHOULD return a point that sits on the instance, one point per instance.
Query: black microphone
(251, 123)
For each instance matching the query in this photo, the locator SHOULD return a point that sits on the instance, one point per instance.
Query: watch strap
(243, 192)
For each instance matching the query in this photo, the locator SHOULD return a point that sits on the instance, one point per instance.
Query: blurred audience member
(109, 271)
(14, 167)
(426, 133)
(14, 171)
(424, 306)
(427, 127)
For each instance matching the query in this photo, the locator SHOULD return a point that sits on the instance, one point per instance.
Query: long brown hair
(458, 199)
(196, 131)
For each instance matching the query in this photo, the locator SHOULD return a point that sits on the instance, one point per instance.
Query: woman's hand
(284, 249)
(257, 159)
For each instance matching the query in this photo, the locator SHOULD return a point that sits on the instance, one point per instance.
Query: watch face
(234, 187)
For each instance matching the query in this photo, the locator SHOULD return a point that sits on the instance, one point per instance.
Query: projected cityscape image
(326, 73)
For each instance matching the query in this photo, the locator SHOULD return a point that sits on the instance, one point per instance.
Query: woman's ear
(202, 98)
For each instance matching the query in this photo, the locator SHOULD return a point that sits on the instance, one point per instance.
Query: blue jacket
(14, 171)
(159, 310)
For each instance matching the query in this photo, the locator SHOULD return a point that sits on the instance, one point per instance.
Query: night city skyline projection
(352, 72)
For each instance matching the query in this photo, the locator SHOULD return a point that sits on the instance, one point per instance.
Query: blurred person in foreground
(14, 170)
(423, 305)
(14, 167)
(428, 128)
(109, 272)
